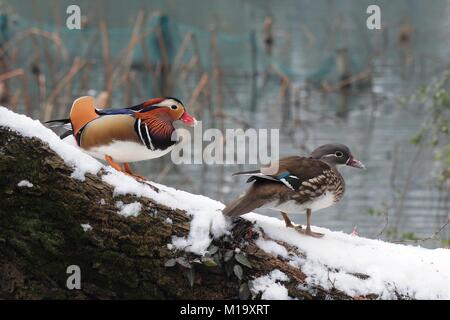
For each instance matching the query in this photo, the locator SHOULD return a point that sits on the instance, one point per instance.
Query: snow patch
(25, 183)
(344, 261)
(272, 247)
(129, 210)
(207, 217)
(270, 287)
(168, 220)
(86, 227)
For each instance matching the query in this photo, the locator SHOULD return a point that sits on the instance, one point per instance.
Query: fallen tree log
(71, 228)
(41, 235)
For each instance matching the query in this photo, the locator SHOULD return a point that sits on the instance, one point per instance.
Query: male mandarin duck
(301, 184)
(136, 133)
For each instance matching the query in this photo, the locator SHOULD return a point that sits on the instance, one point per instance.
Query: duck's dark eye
(338, 154)
(174, 107)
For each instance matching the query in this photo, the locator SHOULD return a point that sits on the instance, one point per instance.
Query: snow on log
(60, 207)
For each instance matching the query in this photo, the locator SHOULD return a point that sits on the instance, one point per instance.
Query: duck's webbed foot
(308, 232)
(113, 164)
(126, 168)
(128, 171)
(289, 223)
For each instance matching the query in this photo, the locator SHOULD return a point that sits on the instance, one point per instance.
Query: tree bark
(120, 257)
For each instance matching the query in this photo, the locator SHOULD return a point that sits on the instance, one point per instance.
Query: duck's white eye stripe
(139, 130)
(329, 155)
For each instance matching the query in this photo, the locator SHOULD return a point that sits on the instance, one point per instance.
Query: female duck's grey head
(336, 154)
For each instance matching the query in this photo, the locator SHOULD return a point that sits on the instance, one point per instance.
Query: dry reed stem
(49, 105)
(366, 74)
(15, 99)
(11, 74)
(124, 59)
(14, 42)
(105, 50)
(197, 91)
(177, 61)
(187, 68)
(26, 94)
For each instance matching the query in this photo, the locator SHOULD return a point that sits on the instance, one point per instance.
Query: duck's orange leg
(128, 170)
(113, 164)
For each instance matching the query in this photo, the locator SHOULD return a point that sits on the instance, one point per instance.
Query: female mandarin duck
(137, 133)
(301, 184)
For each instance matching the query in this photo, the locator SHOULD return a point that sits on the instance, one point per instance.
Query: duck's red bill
(188, 119)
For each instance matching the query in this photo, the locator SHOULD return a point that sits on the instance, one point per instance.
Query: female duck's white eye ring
(338, 154)
(174, 107)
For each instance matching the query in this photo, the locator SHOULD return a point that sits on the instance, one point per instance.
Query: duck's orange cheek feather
(177, 114)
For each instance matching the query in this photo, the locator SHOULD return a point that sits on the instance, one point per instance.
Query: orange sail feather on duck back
(82, 112)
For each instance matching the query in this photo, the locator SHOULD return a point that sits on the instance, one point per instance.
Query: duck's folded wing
(288, 179)
(282, 176)
(290, 171)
